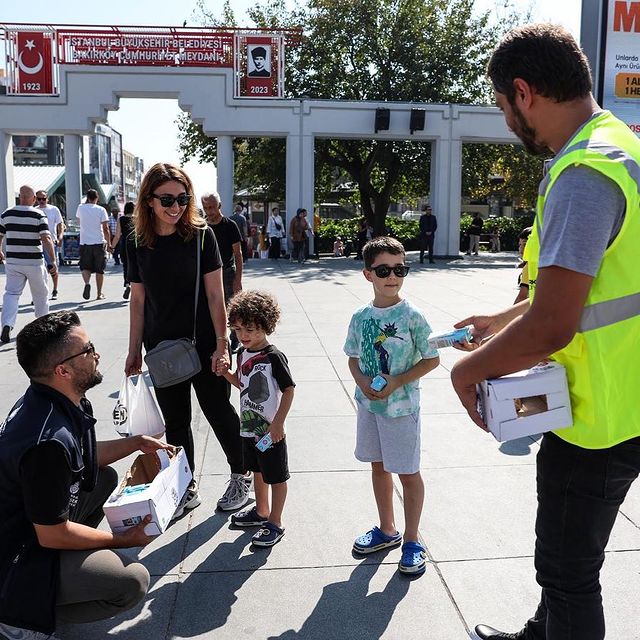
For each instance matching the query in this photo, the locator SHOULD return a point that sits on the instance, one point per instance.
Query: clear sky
(148, 127)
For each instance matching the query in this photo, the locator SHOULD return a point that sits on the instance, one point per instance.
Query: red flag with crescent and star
(34, 63)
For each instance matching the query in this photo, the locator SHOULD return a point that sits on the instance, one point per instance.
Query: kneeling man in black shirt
(54, 564)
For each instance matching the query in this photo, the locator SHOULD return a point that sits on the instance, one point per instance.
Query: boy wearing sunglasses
(388, 339)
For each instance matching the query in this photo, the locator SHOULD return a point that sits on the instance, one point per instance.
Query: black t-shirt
(227, 234)
(46, 484)
(475, 229)
(168, 272)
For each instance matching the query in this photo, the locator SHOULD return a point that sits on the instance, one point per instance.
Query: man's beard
(527, 134)
(84, 382)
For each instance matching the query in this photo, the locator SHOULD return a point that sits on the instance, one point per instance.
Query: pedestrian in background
(27, 232)
(95, 237)
(241, 221)
(475, 229)
(275, 232)
(56, 229)
(297, 233)
(113, 228)
(428, 224)
(230, 247)
(123, 230)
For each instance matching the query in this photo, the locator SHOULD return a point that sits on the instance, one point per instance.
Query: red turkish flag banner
(34, 63)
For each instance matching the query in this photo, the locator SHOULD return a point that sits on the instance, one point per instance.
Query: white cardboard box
(168, 476)
(527, 402)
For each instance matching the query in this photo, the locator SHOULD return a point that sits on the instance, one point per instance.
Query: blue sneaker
(248, 518)
(268, 535)
(414, 559)
(374, 540)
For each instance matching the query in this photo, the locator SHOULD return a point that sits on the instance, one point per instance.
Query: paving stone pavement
(477, 524)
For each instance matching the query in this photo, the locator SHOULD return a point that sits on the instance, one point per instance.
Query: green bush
(404, 230)
(407, 231)
(509, 229)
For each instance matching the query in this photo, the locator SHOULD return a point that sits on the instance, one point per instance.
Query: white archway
(87, 93)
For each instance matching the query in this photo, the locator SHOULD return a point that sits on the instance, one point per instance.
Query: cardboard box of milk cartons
(527, 402)
(154, 484)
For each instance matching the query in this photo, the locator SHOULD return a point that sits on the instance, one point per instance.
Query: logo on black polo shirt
(74, 490)
(119, 414)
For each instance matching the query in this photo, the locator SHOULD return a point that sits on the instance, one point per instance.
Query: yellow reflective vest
(603, 358)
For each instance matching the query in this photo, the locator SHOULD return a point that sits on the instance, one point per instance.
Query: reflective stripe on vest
(603, 358)
(603, 314)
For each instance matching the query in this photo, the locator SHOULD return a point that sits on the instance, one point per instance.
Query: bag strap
(195, 309)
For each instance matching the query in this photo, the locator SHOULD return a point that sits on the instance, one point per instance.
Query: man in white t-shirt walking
(56, 229)
(94, 238)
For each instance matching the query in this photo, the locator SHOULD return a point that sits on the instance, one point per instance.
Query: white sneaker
(236, 494)
(190, 500)
(9, 632)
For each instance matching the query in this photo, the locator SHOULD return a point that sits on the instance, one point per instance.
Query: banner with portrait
(260, 68)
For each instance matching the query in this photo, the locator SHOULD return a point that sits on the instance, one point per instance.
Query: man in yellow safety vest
(583, 311)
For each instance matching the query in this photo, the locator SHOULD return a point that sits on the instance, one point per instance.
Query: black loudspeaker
(416, 122)
(382, 119)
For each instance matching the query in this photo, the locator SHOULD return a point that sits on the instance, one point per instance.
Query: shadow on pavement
(368, 615)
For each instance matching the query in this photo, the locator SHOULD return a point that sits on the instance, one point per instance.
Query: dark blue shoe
(375, 540)
(268, 535)
(248, 518)
(414, 559)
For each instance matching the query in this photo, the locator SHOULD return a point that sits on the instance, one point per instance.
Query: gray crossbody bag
(174, 361)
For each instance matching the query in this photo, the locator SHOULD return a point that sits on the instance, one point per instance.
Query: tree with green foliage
(397, 50)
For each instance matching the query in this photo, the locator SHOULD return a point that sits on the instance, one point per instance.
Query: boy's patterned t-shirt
(263, 375)
(391, 341)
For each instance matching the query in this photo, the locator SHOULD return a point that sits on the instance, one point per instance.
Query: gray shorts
(393, 441)
(93, 257)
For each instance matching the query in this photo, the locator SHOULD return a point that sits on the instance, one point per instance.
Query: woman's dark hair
(129, 208)
(547, 57)
(43, 343)
(190, 220)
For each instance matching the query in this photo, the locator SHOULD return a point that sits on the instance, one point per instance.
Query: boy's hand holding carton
(382, 386)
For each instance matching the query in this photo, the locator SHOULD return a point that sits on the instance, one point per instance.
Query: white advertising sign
(621, 86)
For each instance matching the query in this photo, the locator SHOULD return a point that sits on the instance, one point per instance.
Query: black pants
(274, 247)
(116, 254)
(426, 244)
(579, 494)
(123, 257)
(213, 394)
(298, 251)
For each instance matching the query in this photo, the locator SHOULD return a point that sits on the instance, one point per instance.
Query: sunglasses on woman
(167, 200)
(384, 271)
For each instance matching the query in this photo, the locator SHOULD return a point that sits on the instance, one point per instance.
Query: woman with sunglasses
(162, 258)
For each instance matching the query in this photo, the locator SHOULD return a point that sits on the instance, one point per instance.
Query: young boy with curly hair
(266, 394)
(388, 338)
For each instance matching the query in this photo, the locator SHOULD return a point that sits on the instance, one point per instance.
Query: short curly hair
(258, 308)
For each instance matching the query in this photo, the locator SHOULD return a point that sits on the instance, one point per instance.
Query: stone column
(224, 167)
(293, 195)
(7, 190)
(446, 189)
(72, 173)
